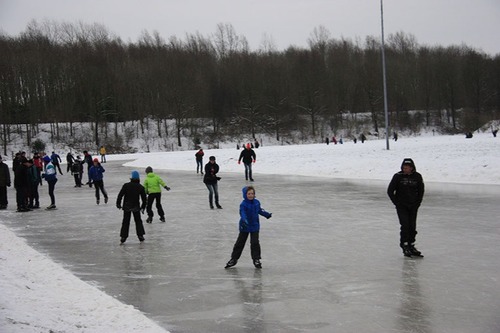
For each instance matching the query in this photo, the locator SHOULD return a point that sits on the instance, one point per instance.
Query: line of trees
(68, 73)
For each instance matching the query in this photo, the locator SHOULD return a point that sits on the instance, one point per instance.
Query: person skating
(132, 193)
(34, 178)
(50, 177)
(87, 158)
(102, 151)
(211, 179)
(97, 178)
(22, 184)
(199, 160)
(77, 171)
(4, 183)
(152, 185)
(249, 224)
(406, 191)
(249, 157)
(56, 160)
(69, 162)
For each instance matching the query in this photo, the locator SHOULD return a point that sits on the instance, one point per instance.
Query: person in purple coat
(249, 224)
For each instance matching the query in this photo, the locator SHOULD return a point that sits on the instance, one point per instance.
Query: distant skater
(199, 160)
(248, 156)
(249, 224)
(406, 191)
(102, 152)
(131, 194)
(211, 182)
(50, 176)
(96, 175)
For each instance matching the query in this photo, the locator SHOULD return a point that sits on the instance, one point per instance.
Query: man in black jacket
(131, 192)
(249, 157)
(4, 183)
(406, 191)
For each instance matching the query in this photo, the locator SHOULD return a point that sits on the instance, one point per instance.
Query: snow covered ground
(38, 295)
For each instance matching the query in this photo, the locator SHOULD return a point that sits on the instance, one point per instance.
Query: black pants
(34, 196)
(408, 221)
(78, 179)
(21, 197)
(52, 186)
(213, 190)
(152, 197)
(3, 196)
(68, 168)
(99, 186)
(139, 227)
(240, 244)
(58, 166)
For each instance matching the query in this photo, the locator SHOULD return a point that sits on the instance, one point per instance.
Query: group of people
(29, 173)
(406, 191)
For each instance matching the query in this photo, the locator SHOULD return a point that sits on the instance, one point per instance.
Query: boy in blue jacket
(250, 210)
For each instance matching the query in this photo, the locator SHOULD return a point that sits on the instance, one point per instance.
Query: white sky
(39, 294)
(287, 22)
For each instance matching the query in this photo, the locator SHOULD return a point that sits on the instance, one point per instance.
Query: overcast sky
(287, 22)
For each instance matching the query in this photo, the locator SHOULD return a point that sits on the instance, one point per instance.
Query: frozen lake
(330, 254)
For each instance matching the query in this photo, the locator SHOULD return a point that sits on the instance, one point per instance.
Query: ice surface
(331, 260)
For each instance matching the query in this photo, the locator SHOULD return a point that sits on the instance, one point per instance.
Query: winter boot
(149, 219)
(257, 263)
(162, 219)
(414, 251)
(406, 250)
(231, 263)
(218, 206)
(211, 206)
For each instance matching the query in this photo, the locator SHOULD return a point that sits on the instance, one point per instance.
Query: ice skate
(414, 252)
(231, 263)
(257, 263)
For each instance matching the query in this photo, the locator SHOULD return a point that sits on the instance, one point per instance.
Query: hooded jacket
(249, 213)
(132, 194)
(406, 190)
(96, 172)
(153, 183)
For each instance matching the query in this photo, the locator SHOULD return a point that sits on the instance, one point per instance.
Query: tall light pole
(384, 77)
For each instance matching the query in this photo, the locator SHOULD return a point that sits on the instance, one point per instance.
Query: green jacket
(153, 183)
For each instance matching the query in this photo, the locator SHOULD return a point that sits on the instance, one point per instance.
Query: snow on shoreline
(39, 295)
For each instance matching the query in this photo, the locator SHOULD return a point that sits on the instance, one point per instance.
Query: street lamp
(384, 77)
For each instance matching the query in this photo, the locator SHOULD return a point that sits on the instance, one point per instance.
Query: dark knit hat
(149, 169)
(212, 158)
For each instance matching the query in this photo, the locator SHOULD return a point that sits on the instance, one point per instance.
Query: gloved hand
(254, 161)
(270, 215)
(166, 188)
(218, 178)
(118, 206)
(239, 162)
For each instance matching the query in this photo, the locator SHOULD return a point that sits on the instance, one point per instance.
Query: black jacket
(210, 176)
(406, 190)
(131, 193)
(248, 155)
(4, 175)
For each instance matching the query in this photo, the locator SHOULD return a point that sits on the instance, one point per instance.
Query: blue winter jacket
(96, 172)
(249, 214)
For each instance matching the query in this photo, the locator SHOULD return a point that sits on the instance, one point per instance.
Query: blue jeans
(212, 189)
(248, 170)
